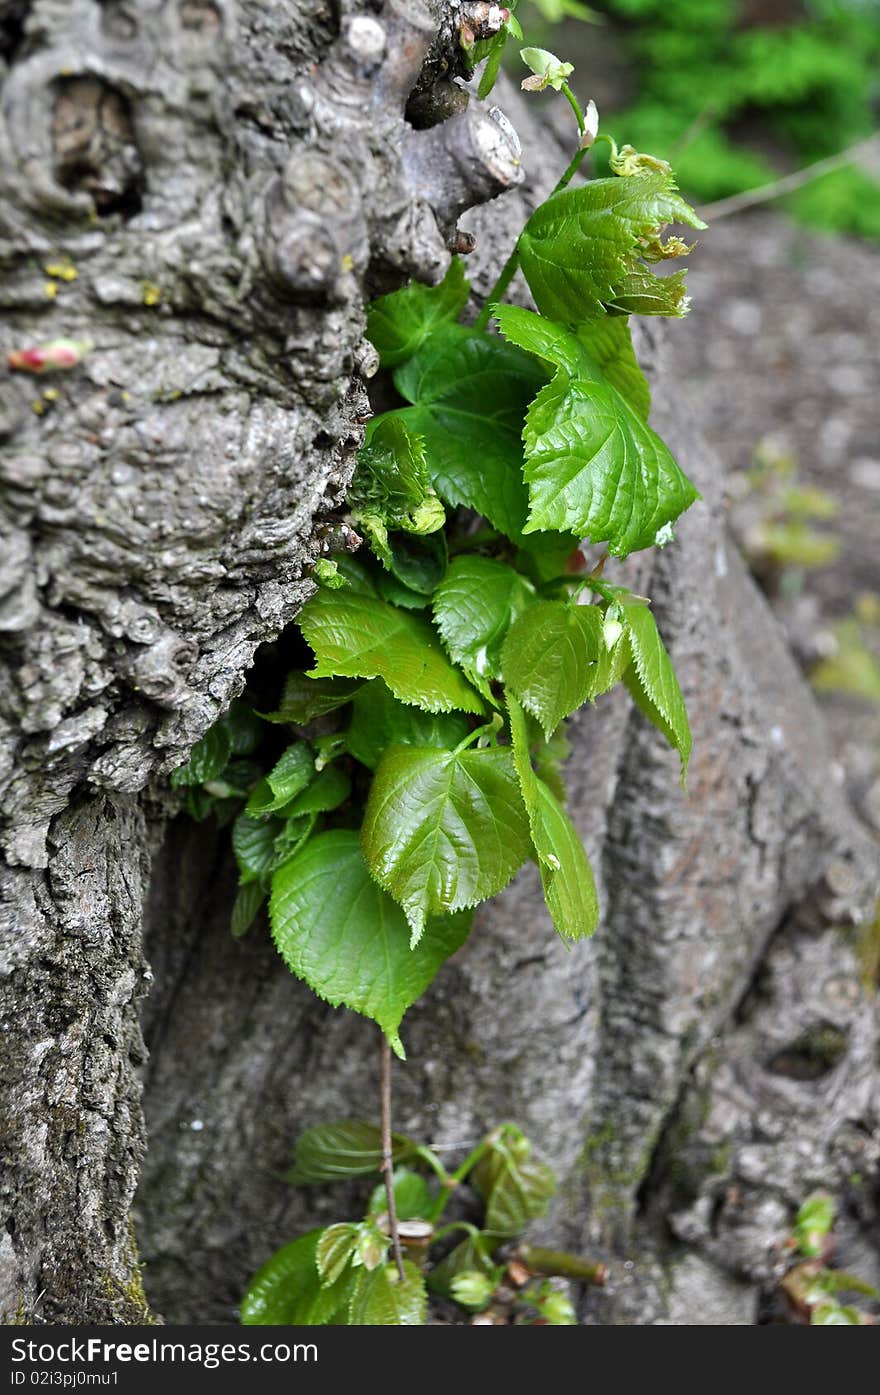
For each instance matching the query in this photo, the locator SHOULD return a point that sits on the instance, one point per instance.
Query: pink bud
(49, 358)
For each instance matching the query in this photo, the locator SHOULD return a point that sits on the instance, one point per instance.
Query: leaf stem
(511, 266)
(387, 1162)
(560, 1262)
(434, 1163)
(575, 106)
(473, 1231)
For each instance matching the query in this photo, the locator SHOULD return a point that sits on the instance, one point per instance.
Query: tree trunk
(230, 181)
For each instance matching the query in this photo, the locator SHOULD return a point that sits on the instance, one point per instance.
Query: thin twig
(387, 1157)
(738, 202)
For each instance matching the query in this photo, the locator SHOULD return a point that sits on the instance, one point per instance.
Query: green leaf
(391, 493)
(418, 562)
(394, 591)
(609, 344)
(336, 1248)
(493, 65)
(412, 1196)
(580, 244)
(346, 1148)
(244, 728)
(245, 908)
(305, 698)
(593, 467)
(514, 1186)
(295, 832)
(337, 930)
(813, 1223)
(471, 1256)
(640, 292)
(470, 391)
(832, 1314)
(398, 324)
(355, 636)
(287, 1291)
(290, 774)
(474, 606)
(549, 758)
(550, 659)
(651, 680)
(327, 791)
(566, 875)
(444, 830)
(207, 758)
(381, 1299)
(253, 842)
(379, 721)
(839, 1281)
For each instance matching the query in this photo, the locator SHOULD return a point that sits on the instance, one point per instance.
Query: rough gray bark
(161, 517)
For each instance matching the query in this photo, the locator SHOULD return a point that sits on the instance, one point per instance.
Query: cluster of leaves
(811, 1288)
(775, 517)
(342, 1274)
(704, 67)
(451, 657)
(852, 662)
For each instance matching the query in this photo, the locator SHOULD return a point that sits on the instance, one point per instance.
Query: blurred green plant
(853, 666)
(774, 513)
(811, 1288)
(344, 1274)
(709, 71)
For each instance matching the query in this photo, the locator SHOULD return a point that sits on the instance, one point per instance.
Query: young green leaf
(550, 659)
(392, 492)
(579, 246)
(608, 343)
(346, 1148)
(207, 759)
(651, 679)
(287, 1291)
(640, 292)
(419, 563)
(244, 728)
(469, 393)
(566, 875)
(593, 467)
(814, 1223)
(335, 928)
(355, 636)
(379, 721)
(295, 832)
(245, 908)
(390, 589)
(337, 1247)
(290, 774)
(399, 323)
(547, 70)
(305, 698)
(444, 830)
(253, 842)
(327, 791)
(514, 1186)
(473, 1255)
(549, 758)
(381, 1299)
(412, 1196)
(474, 606)
(366, 638)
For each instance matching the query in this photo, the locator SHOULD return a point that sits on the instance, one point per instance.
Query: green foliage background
(715, 80)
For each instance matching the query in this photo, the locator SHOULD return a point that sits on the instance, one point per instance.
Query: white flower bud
(591, 125)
